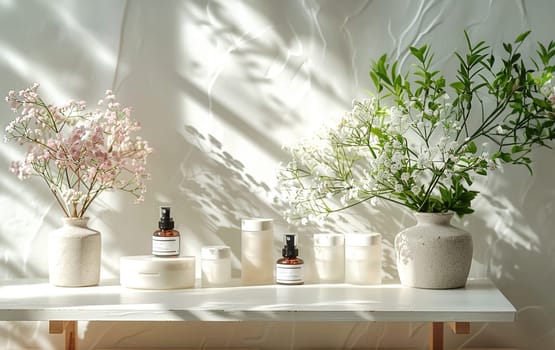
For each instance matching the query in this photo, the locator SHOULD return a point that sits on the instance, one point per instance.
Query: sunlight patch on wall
(257, 81)
(7, 4)
(103, 54)
(32, 72)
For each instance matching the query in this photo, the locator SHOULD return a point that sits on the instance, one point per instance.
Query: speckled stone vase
(433, 254)
(74, 254)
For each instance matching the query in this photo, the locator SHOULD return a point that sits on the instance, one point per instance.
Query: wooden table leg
(436, 332)
(69, 329)
(460, 327)
(436, 336)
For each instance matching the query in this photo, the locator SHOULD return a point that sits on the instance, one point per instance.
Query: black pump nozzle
(290, 248)
(166, 222)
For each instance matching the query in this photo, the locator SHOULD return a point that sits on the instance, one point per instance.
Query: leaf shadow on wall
(213, 178)
(272, 58)
(513, 243)
(22, 243)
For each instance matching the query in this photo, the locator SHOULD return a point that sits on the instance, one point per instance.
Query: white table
(480, 301)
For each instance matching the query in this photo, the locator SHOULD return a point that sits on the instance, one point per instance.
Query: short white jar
(363, 258)
(215, 265)
(329, 257)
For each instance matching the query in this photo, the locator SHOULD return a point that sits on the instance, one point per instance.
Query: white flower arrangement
(414, 145)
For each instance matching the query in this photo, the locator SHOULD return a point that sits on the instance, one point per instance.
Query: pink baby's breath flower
(74, 150)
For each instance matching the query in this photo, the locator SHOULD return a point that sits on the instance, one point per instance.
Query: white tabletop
(480, 301)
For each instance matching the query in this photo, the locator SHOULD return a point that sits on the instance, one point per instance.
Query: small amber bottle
(289, 269)
(166, 241)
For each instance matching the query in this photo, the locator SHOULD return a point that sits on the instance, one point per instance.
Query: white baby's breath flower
(415, 189)
(412, 140)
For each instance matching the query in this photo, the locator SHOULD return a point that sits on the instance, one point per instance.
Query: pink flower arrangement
(78, 154)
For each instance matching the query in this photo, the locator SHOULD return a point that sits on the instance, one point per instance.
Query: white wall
(219, 87)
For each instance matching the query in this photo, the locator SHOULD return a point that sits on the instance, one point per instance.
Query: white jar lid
(215, 252)
(256, 224)
(328, 239)
(362, 239)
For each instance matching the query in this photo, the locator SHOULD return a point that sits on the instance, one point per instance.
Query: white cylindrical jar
(257, 243)
(329, 257)
(215, 265)
(363, 258)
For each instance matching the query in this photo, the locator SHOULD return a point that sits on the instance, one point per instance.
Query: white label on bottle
(289, 274)
(165, 246)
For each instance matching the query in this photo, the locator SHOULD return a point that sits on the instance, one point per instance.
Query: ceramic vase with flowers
(413, 144)
(78, 154)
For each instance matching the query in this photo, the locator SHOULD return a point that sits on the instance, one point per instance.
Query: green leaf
(548, 124)
(471, 147)
(419, 53)
(467, 178)
(458, 86)
(506, 157)
(522, 36)
(376, 81)
(394, 69)
(491, 60)
(543, 104)
(445, 195)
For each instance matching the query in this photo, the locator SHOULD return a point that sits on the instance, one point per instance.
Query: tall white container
(257, 260)
(363, 258)
(215, 265)
(329, 257)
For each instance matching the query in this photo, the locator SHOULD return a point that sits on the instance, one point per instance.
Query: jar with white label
(363, 258)
(215, 265)
(329, 257)
(166, 241)
(289, 268)
(257, 244)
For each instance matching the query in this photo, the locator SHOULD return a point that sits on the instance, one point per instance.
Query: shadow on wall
(217, 185)
(17, 335)
(219, 192)
(13, 267)
(26, 206)
(273, 57)
(514, 246)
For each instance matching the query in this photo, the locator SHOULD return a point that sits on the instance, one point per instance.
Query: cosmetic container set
(351, 258)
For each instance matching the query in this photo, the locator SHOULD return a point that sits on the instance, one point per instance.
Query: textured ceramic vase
(433, 254)
(74, 254)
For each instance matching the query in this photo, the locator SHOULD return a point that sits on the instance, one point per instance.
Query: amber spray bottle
(289, 269)
(165, 241)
